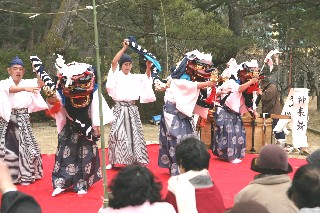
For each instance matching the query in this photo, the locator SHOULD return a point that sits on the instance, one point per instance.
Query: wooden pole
(290, 69)
(103, 151)
(165, 35)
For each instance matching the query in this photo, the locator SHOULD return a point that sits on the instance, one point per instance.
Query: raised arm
(244, 86)
(15, 89)
(148, 68)
(117, 57)
(201, 85)
(43, 78)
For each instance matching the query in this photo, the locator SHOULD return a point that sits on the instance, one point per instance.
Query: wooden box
(260, 137)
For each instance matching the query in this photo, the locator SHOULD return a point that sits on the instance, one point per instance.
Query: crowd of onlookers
(136, 189)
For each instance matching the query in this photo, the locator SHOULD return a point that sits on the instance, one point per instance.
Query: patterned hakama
(19, 148)
(230, 136)
(126, 139)
(77, 161)
(174, 126)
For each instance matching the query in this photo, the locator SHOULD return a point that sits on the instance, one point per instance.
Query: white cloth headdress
(268, 60)
(68, 71)
(232, 69)
(253, 63)
(200, 55)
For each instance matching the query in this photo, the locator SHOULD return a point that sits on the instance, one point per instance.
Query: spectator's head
(314, 158)
(250, 206)
(134, 185)
(16, 69)
(305, 187)
(272, 159)
(192, 154)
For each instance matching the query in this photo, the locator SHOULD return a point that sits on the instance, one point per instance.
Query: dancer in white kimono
(127, 144)
(182, 100)
(229, 141)
(18, 145)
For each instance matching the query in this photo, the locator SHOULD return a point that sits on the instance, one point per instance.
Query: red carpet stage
(230, 178)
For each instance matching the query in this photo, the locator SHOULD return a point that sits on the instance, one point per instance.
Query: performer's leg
(279, 136)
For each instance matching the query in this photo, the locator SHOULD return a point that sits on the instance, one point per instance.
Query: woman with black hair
(305, 189)
(193, 190)
(135, 189)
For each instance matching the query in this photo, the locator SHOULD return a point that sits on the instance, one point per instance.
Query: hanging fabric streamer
(296, 106)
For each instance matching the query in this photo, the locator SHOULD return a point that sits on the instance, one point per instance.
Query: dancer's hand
(32, 89)
(96, 131)
(125, 43)
(254, 80)
(149, 64)
(51, 100)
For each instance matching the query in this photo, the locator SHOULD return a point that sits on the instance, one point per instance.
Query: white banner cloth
(296, 106)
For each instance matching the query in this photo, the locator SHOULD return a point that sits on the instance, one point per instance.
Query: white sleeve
(60, 116)
(5, 105)
(146, 94)
(185, 94)
(112, 82)
(95, 112)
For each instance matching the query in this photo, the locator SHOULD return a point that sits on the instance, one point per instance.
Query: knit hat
(124, 58)
(16, 61)
(272, 159)
(314, 158)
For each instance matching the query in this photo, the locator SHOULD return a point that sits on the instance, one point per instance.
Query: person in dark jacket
(14, 201)
(314, 158)
(305, 189)
(271, 104)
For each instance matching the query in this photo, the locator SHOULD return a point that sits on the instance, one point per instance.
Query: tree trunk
(318, 100)
(148, 28)
(30, 45)
(55, 41)
(53, 8)
(235, 17)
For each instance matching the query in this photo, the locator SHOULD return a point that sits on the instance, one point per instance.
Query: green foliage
(168, 31)
(7, 56)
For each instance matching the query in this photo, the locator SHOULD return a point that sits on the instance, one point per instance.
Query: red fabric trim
(212, 97)
(252, 88)
(54, 109)
(208, 200)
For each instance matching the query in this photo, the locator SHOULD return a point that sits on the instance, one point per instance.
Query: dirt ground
(47, 135)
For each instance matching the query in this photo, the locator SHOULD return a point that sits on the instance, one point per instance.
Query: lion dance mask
(75, 84)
